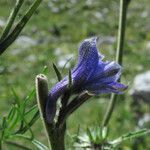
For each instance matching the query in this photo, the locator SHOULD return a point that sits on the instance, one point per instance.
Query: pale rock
(141, 87)
(65, 61)
(2, 23)
(144, 120)
(25, 41)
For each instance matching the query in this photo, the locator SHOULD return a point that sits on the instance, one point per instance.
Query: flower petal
(105, 72)
(87, 62)
(111, 69)
(55, 93)
(87, 50)
(117, 87)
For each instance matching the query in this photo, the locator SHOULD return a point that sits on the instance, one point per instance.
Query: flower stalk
(55, 132)
(119, 55)
(42, 94)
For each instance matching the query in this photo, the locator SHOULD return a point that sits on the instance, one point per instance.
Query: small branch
(65, 98)
(55, 135)
(14, 34)
(11, 18)
(119, 55)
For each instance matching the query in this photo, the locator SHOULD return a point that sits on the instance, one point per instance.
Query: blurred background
(53, 34)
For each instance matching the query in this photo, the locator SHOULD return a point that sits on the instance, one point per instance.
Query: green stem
(119, 55)
(0, 144)
(11, 18)
(14, 34)
(55, 134)
(57, 137)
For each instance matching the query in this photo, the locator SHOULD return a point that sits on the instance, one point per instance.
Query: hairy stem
(55, 134)
(119, 55)
(42, 96)
(57, 137)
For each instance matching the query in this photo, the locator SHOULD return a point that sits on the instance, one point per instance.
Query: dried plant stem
(119, 55)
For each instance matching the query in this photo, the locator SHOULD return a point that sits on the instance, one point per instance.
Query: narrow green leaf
(104, 133)
(130, 135)
(90, 135)
(31, 110)
(4, 125)
(11, 18)
(14, 120)
(29, 97)
(27, 125)
(44, 70)
(18, 28)
(32, 121)
(39, 145)
(11, 116)
(17, 100)
(57, 72)
(11, 113)
(97, 132)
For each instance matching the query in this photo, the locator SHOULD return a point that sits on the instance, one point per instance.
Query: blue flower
(91, 74)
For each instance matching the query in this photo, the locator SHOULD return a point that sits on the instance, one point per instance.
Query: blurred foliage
(54, 33)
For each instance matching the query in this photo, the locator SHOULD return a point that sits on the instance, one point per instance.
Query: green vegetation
(56, 29)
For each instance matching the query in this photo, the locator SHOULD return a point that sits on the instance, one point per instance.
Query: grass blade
(17, 101)
(57, 72)
(39, 145)
(70, 79)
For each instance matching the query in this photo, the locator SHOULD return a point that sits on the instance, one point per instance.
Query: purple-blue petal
(117, 87)
(91, 73)
(53, 96)
(87, 62)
